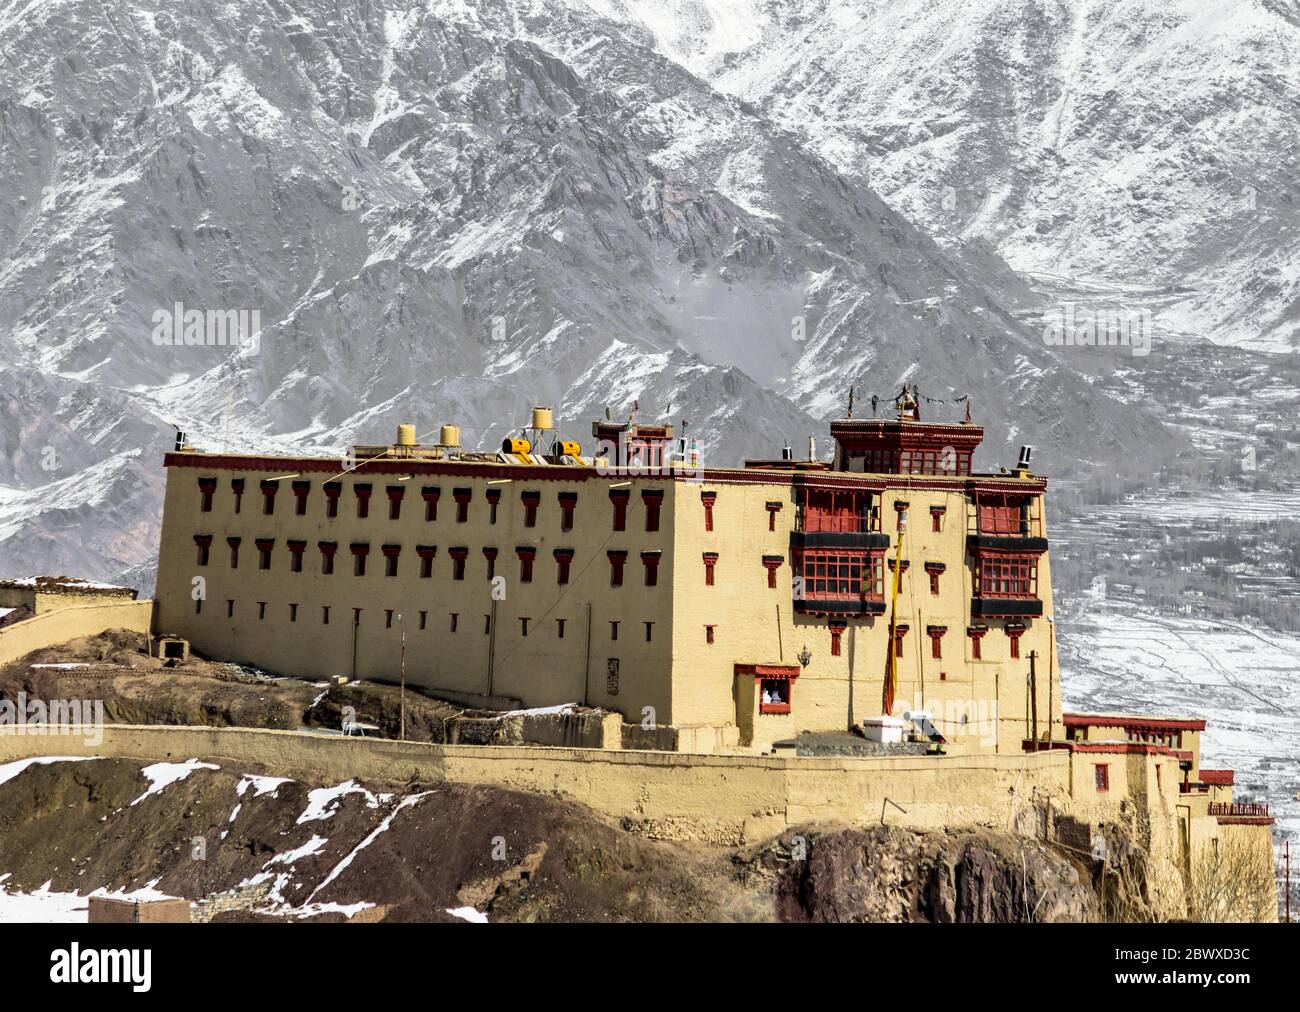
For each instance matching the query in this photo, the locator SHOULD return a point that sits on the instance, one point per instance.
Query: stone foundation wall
(724, 799)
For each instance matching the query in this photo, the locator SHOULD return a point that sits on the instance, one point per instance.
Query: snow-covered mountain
(1148, 145)
(449, 211)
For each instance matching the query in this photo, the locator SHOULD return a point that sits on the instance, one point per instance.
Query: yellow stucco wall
(540, 668)
(675, 677)
(978, 704)
(72, 622)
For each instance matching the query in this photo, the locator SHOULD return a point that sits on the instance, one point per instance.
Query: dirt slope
(138, 689)
(250, 847)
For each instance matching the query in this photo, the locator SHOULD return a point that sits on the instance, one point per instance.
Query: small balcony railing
(1246, 808)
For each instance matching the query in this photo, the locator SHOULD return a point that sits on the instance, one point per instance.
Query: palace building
(741, 605)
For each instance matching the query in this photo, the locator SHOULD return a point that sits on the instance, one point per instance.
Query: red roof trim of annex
(1218, 778)
(1132, 722)
(561, 472)
(1129, 748)
(768, 670)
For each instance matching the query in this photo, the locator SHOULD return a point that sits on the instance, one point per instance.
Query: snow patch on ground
(321, 802)
(10, 770)
(163, 775)
(261, 785)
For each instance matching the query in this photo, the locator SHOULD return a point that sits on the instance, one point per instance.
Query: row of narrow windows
(426, 555)
(822, 512)
(825, 574)
(393, 619)
(431, 495)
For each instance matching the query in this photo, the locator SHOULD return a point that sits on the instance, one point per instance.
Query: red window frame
(359, 553)
(837, 631)
(332, 490)
(773, 508)
(363, 492)
(1006, 515)
(935, 632)
(237, 487)
(835, 574)
(204, 544)
(234, 551)
(430, 494)
(526, 557)
(617, 559)
(772, 563)
(1003, 574)
(264, 546)
(462, 497)
(1101, 777)
(491, 555)
(618, 498)
(708, 500)
(653, 498)
(391, 553)
(327, 550)
(900, 633)
(710, 560)
(493, 496)
(836, 512)
(296, 549)
(782, 686)
(568, 503)
(458, 557)
(531, 501)
(933, 570)
(207, 488)
(426, 554)
(563, 560)
(650, 560)
(395, 494)
(300, 490)
(269, 488)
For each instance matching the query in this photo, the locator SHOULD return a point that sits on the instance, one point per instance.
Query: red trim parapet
(1132, 723)
(1218, 778)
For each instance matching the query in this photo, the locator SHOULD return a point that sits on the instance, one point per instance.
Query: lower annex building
(747, 604)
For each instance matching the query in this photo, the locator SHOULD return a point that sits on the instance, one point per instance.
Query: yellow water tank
(449, 436)
(544, 419)
(516, 446)
(406, 434)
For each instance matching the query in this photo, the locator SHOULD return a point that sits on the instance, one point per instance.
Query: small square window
(774, 695)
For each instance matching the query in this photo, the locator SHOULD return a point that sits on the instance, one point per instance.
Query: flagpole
(891, 670)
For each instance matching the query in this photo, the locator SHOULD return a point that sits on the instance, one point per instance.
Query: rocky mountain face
(449, 212)
(1145, 150)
